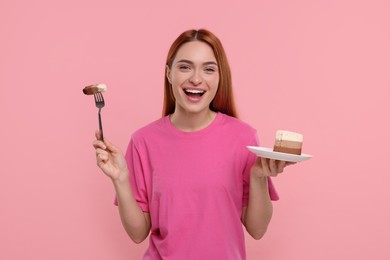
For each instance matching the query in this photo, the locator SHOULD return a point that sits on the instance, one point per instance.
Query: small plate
(269, 153)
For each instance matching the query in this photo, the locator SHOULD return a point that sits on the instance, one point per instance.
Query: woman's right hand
(110, 159)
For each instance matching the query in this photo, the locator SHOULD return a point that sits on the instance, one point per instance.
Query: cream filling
(101, 87)
(288, 136)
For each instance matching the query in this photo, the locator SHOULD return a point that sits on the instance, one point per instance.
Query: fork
(99, 101)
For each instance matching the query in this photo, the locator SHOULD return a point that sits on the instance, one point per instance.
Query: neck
(190, 122)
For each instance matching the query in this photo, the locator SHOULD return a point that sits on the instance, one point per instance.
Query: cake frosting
(288, 142)
(93, 89)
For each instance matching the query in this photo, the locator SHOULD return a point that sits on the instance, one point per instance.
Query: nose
(195, 79)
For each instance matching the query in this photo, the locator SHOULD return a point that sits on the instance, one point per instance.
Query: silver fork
(99, 101)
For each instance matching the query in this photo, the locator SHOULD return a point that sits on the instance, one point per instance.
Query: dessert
(93, 89)
(288, 142)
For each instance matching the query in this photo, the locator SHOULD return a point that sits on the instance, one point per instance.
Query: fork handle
(100, 127)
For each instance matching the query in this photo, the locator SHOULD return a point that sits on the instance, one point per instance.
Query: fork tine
(98, 97)
(101, 98)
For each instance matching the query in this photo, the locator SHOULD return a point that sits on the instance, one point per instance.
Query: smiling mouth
(194, 92)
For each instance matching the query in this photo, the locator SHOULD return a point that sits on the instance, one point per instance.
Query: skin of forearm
(259, 211)
(132, 217)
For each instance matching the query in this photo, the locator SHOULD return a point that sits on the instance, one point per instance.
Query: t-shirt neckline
(202, 131)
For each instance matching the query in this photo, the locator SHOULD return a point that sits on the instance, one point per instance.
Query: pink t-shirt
(194, 185)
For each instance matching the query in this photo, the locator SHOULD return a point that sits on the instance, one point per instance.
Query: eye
(184, 67)
(210, 69)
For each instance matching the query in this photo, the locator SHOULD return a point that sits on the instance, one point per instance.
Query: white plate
(269, 153)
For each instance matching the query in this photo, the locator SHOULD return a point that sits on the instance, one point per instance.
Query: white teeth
(194, 91)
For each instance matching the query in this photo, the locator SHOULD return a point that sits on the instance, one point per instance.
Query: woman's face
(194, 77)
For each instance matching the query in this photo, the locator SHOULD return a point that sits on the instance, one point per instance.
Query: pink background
(317, 67)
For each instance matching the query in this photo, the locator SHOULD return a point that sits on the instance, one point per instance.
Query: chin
(194, 109)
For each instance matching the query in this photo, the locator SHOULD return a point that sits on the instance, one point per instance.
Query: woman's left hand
(265, 167)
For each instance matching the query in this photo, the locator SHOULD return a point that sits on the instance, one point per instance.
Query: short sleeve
(136, 176)
(250, 160)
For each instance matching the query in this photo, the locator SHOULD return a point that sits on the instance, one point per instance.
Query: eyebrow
(204, 63)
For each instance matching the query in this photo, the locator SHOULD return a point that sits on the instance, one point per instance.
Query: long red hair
(223, 100)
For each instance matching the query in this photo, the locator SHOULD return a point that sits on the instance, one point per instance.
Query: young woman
(188, 179)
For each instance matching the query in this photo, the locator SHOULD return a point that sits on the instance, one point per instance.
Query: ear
(168, 74)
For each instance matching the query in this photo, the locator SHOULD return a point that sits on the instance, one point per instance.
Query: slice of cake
(288, 142)
(93, 89)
